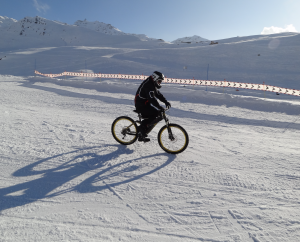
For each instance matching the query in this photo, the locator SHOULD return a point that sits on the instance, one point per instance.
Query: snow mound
(190, 40)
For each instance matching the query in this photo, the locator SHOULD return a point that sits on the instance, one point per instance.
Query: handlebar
(164, 110)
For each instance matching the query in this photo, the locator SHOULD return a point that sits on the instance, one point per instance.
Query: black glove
(168, 105)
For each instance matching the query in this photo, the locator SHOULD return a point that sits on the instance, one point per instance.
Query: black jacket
(147, 94)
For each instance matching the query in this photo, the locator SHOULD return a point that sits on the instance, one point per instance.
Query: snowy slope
(273, 59)
(64, 178)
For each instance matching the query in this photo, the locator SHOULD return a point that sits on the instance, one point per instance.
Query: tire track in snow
(84, 226)
(54, 131)
(237, 235)
(245, 220)
(127, 204)
(295, 205)
(243, 234)
(173, 217)
(62, 133)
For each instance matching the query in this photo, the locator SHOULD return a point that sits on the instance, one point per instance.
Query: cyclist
(146, 103)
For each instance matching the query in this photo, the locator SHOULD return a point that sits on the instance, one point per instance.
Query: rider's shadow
(50, 181)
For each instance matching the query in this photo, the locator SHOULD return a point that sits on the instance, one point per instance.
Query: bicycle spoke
(124, 130)
(175, 142)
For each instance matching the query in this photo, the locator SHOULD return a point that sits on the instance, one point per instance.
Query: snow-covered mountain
(40, 32)
(99, 27)
(5, 22)
(190, 40)
(108, 29)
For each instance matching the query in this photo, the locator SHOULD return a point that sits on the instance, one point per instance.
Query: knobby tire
(180, 142)
(124, 130)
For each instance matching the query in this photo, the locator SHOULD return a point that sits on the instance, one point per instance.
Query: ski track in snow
(64, 178)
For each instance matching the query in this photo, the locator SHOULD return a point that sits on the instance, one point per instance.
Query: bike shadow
(63, 177)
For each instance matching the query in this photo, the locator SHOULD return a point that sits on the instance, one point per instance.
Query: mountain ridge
(40, 32)
(7, 23)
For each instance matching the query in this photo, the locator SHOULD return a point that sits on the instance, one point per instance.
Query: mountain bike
(172, 138)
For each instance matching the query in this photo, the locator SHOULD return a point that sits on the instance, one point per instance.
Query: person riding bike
(147, 105)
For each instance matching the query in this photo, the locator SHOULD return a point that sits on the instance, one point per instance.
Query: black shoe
(143, 138)
(142, 130)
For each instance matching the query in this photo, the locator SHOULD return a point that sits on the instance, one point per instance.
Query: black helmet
(158, 77)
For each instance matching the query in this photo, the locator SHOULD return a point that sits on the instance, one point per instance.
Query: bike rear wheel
(173, 142)
(124, 130)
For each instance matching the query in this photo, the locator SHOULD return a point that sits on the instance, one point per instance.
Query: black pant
(150, 116)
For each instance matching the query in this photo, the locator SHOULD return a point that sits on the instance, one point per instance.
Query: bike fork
(171, 136)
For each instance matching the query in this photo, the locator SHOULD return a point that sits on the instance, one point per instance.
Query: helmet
(158, 77)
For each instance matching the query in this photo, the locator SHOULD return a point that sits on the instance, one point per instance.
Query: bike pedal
(145, 140)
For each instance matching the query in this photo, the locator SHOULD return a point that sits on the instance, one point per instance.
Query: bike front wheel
(124, 130)
(173, 139)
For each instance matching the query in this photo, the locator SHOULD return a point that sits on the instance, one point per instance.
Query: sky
(169, 19)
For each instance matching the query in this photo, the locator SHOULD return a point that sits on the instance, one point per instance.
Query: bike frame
(171, 137)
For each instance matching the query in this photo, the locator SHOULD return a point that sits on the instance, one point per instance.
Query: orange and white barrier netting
(252, 86)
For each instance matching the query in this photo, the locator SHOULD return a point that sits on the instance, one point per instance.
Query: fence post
(85, 71)
(34, 67)
(207, 75)
(194, 83)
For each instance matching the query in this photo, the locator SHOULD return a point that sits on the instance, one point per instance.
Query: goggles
(159, 81)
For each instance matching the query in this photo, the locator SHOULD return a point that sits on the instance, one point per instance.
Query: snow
(64, 177)
(6, 22)
(190, 40)
(108, 29)
(99, 27)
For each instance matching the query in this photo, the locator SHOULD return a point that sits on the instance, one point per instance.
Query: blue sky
(168, 19)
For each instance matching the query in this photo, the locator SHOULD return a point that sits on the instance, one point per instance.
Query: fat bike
(172, 138)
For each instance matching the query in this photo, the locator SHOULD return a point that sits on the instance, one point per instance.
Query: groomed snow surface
(64, 177)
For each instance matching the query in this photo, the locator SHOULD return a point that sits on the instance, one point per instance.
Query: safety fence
(237, 85)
